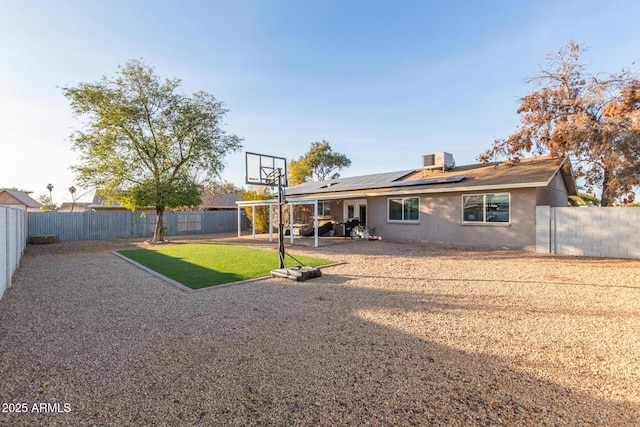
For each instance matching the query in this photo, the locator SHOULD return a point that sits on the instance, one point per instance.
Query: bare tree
(591, 118)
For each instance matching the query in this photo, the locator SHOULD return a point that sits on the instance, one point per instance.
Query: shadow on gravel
(382, 374)
(564, 282)
(275, 352)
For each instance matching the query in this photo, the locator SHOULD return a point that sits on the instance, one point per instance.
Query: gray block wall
(599, 232)
(12, 243)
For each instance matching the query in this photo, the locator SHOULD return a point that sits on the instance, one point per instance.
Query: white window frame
(356, 203)
(322, 207)
(484, 209)
(403, 221)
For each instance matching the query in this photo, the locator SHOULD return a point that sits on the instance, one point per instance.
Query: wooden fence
(70, 226)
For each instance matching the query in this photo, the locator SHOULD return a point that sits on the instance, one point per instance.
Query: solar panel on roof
(443, 180)
(367, 182)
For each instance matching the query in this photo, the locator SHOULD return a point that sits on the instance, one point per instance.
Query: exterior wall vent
(438, 160)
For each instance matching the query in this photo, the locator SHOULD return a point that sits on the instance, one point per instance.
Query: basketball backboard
(262, 169)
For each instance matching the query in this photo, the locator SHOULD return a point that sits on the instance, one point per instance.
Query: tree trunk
(606, 199)
(158, 233)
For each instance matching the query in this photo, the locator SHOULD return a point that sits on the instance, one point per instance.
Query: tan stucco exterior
(441, 222)
(534, 182)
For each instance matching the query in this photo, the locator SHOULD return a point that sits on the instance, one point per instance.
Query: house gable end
(15, 197)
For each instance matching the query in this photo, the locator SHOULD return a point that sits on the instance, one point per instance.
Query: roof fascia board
(423, 191)
(264, 202)
(397, 192)
(291, 201)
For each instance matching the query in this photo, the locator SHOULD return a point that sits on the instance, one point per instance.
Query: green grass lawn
(201, 265)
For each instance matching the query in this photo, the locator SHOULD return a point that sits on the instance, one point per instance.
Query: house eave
(397, 192)
(566, 171)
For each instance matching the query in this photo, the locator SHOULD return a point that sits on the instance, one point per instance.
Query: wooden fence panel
(70, 226)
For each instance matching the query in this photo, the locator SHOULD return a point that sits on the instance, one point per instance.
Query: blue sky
(383, 81)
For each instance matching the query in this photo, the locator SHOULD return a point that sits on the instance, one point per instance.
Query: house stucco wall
(554, 194)
(441, 222)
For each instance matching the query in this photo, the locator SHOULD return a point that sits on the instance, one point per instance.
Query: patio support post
(291, 221)
(253, 221)
(239, 220)
(270, 223)
(315, 222)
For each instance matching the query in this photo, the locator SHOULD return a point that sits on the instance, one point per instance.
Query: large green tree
(319, 163)
(142, 139)
(593, 119)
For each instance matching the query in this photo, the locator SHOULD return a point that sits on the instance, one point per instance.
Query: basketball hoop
(262, 169)
(271, 179)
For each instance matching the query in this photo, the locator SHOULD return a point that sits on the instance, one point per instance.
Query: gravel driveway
(400, 334)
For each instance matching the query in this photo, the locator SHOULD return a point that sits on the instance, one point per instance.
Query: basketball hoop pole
(262, 169)
(280, 218)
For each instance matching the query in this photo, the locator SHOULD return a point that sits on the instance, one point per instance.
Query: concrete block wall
(441, 222)
(12, 243)
(598, 232)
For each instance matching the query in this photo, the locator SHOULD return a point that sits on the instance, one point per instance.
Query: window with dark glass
(486, 208)
(404, 209)
(324, 208)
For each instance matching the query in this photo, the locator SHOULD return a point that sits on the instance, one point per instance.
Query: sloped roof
(222, 200)
(74, 205)
(102, 202)
(532, 172)
(23, 198)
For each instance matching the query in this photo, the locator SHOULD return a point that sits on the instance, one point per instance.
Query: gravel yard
(400, 334)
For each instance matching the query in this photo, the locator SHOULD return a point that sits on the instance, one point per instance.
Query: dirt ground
(397, 334)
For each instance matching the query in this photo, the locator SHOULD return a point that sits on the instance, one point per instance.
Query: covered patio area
(327, 217)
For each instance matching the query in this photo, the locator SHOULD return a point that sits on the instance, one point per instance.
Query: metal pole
(315, 222)
(253, 221)
(291, 223)
(280, 219)
(239, 222)
(270, 223)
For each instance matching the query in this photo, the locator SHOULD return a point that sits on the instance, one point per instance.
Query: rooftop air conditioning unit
(438, 160)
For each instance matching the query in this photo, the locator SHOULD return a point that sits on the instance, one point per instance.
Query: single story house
(73, 207)
(210, 202)
(219, 201)
(18, 199)
(103, 204)
(481, 205)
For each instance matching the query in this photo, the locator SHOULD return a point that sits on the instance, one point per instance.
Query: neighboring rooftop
(220, 201)
(21, 197)
(73, 206)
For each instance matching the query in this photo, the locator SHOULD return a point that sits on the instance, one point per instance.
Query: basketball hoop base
(297, 273)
